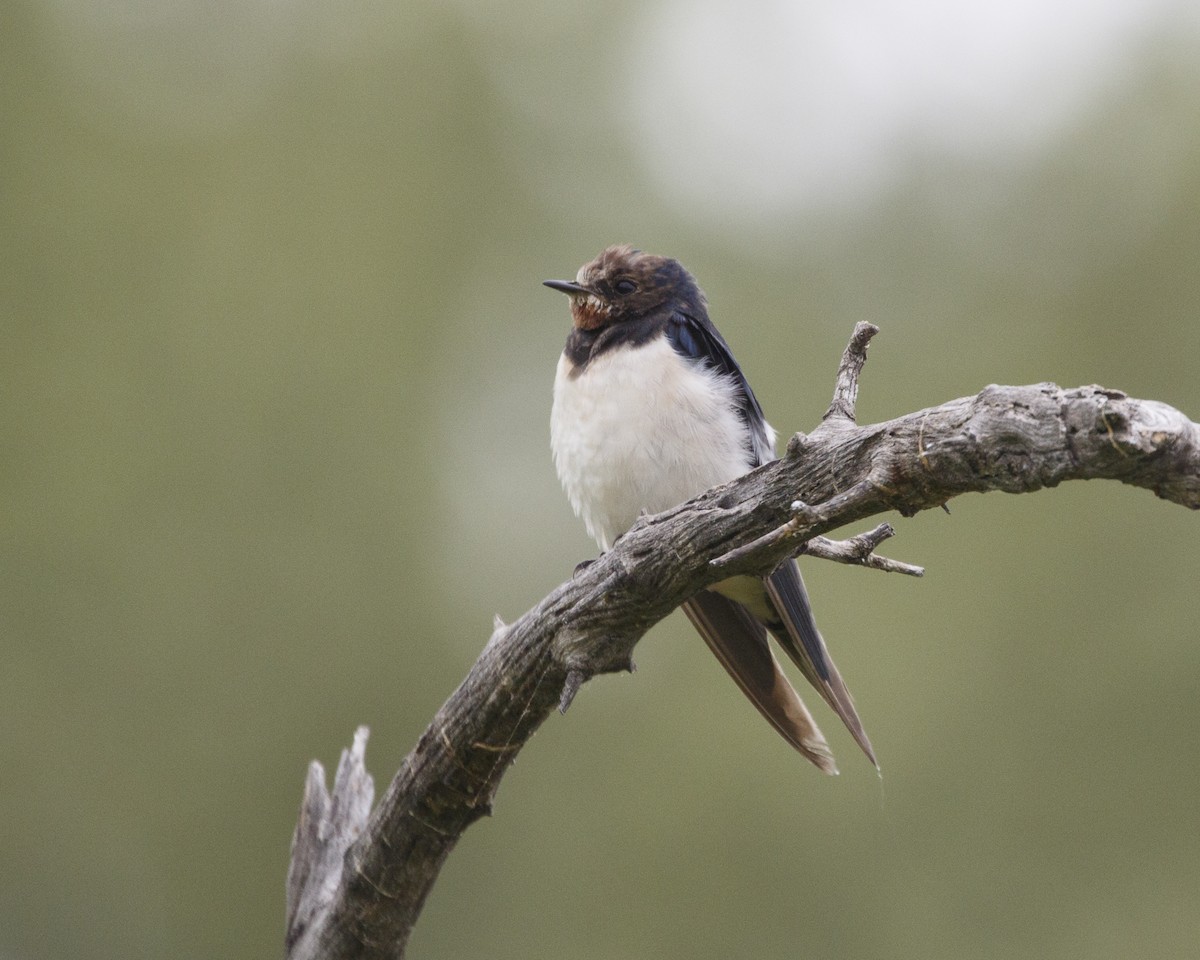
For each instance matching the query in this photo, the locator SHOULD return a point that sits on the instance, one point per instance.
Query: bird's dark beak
(567, 286)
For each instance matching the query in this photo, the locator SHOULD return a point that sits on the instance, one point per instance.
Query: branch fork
(795, 536)
(860, 551)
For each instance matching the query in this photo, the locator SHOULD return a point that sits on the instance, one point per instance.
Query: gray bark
(358, 878)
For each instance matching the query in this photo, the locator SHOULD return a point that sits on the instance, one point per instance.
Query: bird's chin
(590, 312)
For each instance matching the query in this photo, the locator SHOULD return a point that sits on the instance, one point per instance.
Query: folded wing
(797, 633)
(739, 642)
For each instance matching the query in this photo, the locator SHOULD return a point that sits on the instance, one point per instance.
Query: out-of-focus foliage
(275, 386)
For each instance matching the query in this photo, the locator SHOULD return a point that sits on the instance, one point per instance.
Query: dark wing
(732, 633)
(797, 633)
(696, 338)
(740, 643)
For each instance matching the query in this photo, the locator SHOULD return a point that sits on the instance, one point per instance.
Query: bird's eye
(625, 287)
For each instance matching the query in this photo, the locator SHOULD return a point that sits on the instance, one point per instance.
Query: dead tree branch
(359, 878)
(860, 551)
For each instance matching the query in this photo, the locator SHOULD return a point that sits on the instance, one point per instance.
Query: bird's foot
(582, 565)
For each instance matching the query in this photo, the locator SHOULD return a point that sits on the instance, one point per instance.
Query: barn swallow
(650, 410)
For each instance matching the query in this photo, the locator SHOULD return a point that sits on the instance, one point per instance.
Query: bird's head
(624, 284)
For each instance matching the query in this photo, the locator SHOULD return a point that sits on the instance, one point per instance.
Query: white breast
(641, 428)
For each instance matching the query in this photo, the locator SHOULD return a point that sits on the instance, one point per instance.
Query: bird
(650, 409)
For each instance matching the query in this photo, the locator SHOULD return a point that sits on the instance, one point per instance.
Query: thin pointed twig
(771, 548)
(767, 544)
(764, 544)
(571, 685)
(845, 388)
(860, 551)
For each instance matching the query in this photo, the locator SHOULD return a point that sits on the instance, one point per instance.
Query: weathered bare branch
(1013, 439)
(845, 390)
(328, 825)
(860, 551)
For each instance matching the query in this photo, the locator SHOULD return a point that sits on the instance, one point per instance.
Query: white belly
(642, 429)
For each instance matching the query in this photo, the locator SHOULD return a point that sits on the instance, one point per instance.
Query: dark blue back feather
(697, 339)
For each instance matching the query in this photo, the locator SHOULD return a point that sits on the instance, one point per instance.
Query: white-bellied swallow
(650, 410)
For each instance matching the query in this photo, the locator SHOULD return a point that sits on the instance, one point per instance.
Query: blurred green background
(276, 379)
